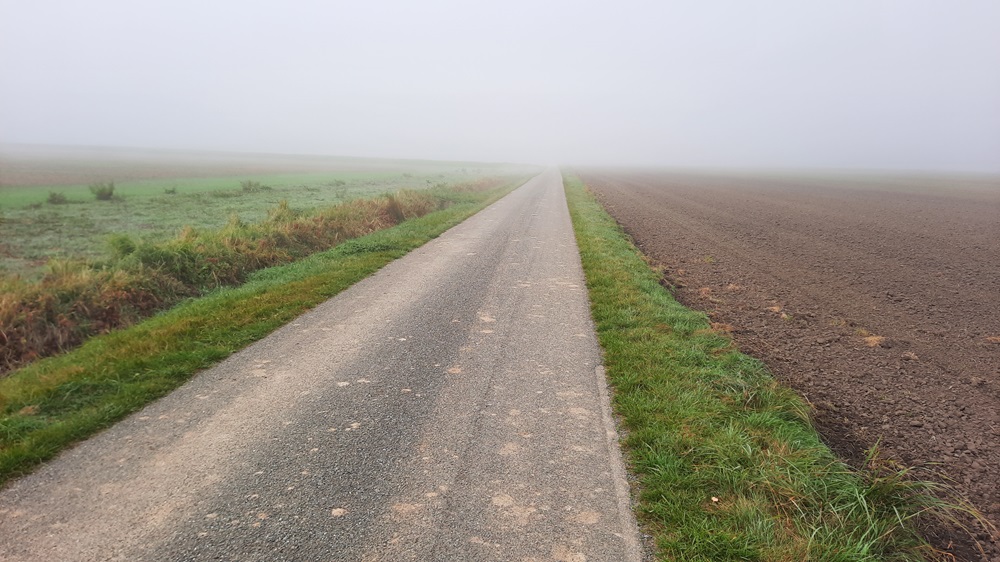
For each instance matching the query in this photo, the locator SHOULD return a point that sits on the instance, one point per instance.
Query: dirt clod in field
(916, 261)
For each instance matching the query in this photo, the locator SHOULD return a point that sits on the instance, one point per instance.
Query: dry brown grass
(870, 339)
(873, 341)
(722, 327)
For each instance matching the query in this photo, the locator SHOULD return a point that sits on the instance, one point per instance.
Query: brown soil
(878, 300)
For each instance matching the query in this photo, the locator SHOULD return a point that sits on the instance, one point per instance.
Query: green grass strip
(728, 464)
(55, 402)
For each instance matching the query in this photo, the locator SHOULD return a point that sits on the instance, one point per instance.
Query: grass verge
(728, 464)
(77, 299)
(57, 401)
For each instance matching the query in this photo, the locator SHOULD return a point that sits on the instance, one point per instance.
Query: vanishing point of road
(451, 407)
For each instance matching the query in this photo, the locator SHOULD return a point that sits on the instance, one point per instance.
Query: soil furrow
(878, 300)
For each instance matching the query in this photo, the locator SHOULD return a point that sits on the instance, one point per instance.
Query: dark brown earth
(878, 300)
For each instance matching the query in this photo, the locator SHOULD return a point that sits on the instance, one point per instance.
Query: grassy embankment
(54, 402)
(729, 466)
(137, 274)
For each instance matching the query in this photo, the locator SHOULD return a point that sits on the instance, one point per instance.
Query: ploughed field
(877, 299)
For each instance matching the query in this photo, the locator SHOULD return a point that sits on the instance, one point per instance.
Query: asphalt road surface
(451, 407)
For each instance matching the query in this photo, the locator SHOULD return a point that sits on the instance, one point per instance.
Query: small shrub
(251, 186)
(103, 191)
(56, 198)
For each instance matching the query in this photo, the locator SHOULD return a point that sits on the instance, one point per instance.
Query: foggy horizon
(778, 85)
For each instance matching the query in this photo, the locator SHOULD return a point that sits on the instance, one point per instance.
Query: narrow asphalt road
(451, 407)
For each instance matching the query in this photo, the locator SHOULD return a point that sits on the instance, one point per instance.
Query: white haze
(903, 84)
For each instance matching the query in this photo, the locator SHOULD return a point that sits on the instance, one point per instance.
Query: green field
(32, 231)
(74, 264)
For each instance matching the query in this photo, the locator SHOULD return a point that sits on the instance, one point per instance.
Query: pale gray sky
(904, 84)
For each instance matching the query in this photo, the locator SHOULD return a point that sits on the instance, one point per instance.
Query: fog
(903, 84)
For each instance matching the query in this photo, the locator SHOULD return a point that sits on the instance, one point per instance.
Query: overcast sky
(903, 84)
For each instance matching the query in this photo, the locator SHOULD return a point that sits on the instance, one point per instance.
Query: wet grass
(34, 230)
(728, 464)
(54, 402)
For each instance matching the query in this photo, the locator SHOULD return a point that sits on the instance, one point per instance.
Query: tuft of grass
(56, 198)
(728, 464)
(54, 402)
(103, 191)
(253, 186)
(873, 340)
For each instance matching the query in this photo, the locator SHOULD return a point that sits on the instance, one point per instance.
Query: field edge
(727, 463)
